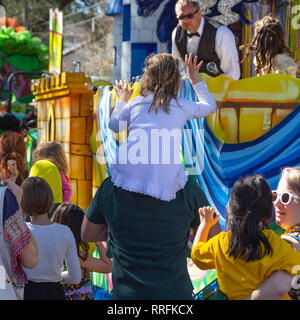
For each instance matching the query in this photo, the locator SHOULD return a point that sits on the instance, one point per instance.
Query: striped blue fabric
(217, 165)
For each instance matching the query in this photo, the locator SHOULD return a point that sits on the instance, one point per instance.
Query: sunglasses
(189, 16)
(285, 197)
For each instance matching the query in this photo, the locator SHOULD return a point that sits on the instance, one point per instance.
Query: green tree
(87, 32)
(34, 15)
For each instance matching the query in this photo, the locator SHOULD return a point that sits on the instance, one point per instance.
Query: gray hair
(183, 3)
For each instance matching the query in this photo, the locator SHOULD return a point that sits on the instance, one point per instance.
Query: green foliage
(22, 50)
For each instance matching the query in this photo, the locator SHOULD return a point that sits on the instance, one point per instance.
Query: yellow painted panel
(74, 105)
(223, 124)
(42, 110)
(86, 105)
(89, 168)
(81, 149)
(62, 130)
(89, 129)
(77, 167)
(73, 184)
(78, 130)
(84, 193)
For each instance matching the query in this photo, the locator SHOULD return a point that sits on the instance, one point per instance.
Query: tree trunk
(25, 14)
(61, 4)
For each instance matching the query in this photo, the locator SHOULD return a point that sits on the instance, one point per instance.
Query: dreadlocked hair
(267, 42)
(162, 78)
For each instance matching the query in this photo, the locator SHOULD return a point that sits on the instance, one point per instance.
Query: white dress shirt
(225, 47)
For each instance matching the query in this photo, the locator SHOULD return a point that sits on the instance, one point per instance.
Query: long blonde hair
(267, 42)
(292, 177)
(162, 78)
(53, 152)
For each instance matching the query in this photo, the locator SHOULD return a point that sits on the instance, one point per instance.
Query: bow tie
(196, 34)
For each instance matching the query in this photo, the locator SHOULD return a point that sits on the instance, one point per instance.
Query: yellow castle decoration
(65, 114)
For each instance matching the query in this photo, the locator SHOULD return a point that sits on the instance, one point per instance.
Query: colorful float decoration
(19, 51)
(22, 57)
(255, 130)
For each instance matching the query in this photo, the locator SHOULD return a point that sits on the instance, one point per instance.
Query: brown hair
(53, 151)
(162, 78)
(292, 176)
(267, 42)
(72, 215)
(37, 196)
(12, 147)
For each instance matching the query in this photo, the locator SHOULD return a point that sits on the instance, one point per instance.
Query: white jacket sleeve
(206, 103)
(73, 273)
(119, 119)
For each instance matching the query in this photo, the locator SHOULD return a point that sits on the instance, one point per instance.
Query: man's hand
(192, 68)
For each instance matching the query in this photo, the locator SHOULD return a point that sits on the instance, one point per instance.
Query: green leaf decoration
(32, 53)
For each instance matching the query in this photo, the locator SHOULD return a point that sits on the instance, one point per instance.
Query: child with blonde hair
(272, 55)
(286, 200)
(248, 253)
(54, 152)
(149, 161)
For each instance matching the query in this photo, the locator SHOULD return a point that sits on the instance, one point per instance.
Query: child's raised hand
(192, 68)
(13, 169)
(207, 216)
(122, 91)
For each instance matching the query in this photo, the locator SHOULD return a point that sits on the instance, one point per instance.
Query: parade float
(254, 130)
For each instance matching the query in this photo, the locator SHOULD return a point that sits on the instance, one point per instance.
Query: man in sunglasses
(195, 34)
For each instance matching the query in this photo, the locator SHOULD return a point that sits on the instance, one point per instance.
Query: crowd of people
(140, 218)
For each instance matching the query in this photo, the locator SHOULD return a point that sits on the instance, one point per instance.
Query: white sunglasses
(285, 197)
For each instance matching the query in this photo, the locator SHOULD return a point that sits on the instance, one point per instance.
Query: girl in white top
(56, 245)
(272, 55)
(149, 161)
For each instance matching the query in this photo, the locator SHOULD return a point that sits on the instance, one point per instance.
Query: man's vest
(206, 49)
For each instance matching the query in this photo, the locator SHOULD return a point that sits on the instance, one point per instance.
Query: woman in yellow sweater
(248, 253)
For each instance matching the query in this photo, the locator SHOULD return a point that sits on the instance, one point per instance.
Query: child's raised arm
(207, 220)
(119, 119)
(13, 169)
(122, 91)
